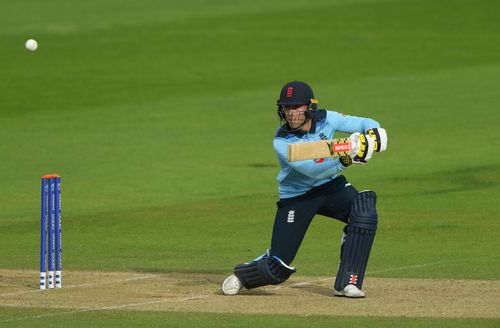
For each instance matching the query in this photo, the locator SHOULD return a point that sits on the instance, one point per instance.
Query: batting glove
(380, 137)
(362, 147)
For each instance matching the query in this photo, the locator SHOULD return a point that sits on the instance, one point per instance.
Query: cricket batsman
(311, 187)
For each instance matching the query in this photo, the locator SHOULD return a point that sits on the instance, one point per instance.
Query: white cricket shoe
(349, 291)
(231, 286)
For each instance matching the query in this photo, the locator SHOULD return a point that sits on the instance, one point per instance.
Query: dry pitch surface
(98, 291)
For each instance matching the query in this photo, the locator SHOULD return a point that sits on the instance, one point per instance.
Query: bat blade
(319, 149)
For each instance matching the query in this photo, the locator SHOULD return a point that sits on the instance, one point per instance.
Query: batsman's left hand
(379, 135)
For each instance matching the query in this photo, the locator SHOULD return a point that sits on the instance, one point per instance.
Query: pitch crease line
(83, 285)
(104, 308)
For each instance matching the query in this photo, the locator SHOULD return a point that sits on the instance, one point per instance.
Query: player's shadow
(315, 289)
(252, 292)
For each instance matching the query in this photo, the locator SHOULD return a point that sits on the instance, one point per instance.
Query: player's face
(295, 115)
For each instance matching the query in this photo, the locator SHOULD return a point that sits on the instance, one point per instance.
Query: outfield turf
(155, 319)
(159, 116)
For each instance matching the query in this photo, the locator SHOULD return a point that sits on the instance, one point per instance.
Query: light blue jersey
(296, 178)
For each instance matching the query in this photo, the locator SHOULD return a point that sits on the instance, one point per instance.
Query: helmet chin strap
(298, 128)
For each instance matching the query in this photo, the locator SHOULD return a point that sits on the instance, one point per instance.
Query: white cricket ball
(31, 45)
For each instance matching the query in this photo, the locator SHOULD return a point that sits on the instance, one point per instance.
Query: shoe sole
(342, 294)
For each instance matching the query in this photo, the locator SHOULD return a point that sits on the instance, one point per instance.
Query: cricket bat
(319, 149)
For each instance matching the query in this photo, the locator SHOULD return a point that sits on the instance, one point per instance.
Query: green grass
(159, 116)
(173, 319)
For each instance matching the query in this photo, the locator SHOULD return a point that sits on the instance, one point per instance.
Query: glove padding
(362, 147)
(380, 137)
(345, 161)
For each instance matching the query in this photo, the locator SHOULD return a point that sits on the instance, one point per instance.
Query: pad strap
(364, 211)
(265, 270)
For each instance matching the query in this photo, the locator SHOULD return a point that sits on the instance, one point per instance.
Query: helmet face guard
(295, 93)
